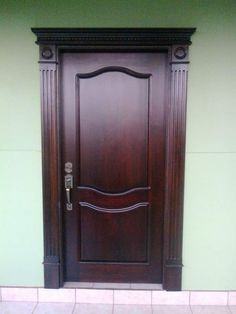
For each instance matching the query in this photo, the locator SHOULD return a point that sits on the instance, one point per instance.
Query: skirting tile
(232, 298)
(19, 294)
(170, 297)
(132, 297)
(208, 298)
(56, 295)
(113, 295)
(94, 296)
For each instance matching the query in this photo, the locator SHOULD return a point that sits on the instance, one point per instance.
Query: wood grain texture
(115, 103)
(108, 236)
(114, 200)
(176, 130)
(113, 210)
(50, 149)
(114, 134)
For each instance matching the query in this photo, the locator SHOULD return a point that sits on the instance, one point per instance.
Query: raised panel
(113, 200)
(113, 135)
(118, 236)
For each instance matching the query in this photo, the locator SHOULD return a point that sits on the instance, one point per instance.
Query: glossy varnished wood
(114, 200)
(173, 41)
(175, 146)
(113, 129)
(51, 177)
(96, 38)
(116, 142)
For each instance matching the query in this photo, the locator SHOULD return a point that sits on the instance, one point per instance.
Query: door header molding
(114, 36)
(173, 41)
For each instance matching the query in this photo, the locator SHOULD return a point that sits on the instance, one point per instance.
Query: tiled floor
(71, 308)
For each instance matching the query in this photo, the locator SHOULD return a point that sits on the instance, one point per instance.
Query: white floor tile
(209, 309)
(171, 309)
(54, 308)
(170, 297)
(132, 297)
(208, 298)
(17, 307)
(98, 296)
(232, 298)
(19, 294)
(132, 309)
(233, 309)
(93, 309)
(56, 295)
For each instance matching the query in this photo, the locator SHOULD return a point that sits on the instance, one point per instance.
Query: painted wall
(210, 189)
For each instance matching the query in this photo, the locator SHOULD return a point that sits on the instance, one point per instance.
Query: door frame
(52, 42)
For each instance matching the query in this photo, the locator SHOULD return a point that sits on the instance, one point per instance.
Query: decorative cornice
(113, 36)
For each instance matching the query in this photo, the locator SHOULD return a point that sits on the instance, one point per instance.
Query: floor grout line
(35, 307)
(152, 309)
(113, 301)
(191, 310)
(73, 310)
(230, 311)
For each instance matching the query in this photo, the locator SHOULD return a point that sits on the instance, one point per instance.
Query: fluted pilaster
(48, 77)
(176, 126)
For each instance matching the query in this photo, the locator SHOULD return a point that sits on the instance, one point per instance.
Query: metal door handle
(68, 202)
(68, 187)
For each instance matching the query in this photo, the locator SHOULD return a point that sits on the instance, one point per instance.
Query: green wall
(210, 188)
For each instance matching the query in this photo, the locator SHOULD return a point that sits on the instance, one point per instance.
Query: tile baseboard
(118, 296)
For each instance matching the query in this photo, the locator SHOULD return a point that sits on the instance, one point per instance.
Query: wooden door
(113, 134)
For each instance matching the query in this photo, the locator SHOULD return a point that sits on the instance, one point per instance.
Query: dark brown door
(113, 133)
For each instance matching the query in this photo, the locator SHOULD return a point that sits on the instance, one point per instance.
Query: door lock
(68, 187)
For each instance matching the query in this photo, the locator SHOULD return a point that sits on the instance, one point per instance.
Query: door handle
(68, 187)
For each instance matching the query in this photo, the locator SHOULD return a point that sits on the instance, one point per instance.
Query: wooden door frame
(52, 42)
